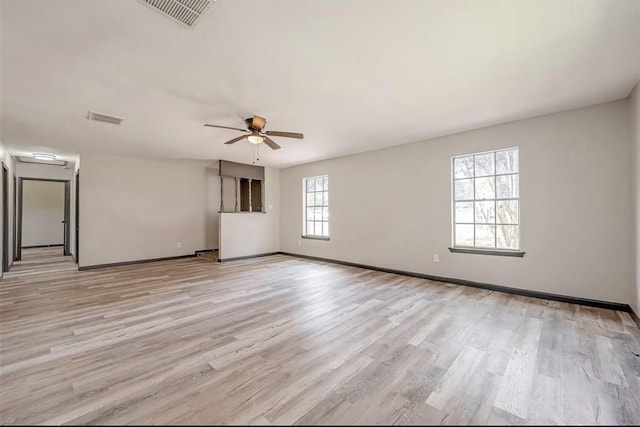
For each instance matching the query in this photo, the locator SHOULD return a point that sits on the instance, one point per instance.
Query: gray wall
(136, 209)
(32, 170)
(634, 101)
(246, 234)
(8, 161)
(392, 208)
(42, 213)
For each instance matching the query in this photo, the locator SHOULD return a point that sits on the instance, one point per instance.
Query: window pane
(484, 164)
(319, 183)
(325, 198)
(311, 184)
(318, 201)
(507, 161)
(485, 236)
(309, 230)
(464, 212)
(508, 212)
(464, 189)
(325, 214)
(485, 212)
(463, 167)
(318, 227)
(325, 181)
(485, 188)
(317, 214)
(464, 235)
(508, 237)
(325, 229)
(310, 199)
(486, 200)
(507, 186)
(310, 216)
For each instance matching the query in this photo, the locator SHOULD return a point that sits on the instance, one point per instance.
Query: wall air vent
(187, 12)
(99, 117)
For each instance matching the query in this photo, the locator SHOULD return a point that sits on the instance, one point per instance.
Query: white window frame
(484, 249)
(324, 206)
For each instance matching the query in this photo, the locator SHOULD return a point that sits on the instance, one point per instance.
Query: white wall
(392, 208)
(135, 209)
(246, 234)
(31, 170)
(42, 213)
(634, 102)
(213, 206)
(8, 161)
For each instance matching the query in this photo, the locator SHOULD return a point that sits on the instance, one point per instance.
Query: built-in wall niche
(241, 187)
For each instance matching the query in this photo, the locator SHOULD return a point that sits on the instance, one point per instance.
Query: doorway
(5, 218)
(15, 217)
(44, 213)
(77, 219)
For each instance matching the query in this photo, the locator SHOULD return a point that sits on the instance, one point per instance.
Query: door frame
(5, 218)
(15, 215)
(67, 212)
(77, 215)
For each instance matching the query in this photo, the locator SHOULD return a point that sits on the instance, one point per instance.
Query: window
(486, 201)
(316, 207)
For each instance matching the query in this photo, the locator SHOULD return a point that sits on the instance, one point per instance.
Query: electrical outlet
(178, 245)
(436, 258)
(299, 242)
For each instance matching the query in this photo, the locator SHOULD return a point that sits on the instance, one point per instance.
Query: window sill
(316, 238)
(498, 252)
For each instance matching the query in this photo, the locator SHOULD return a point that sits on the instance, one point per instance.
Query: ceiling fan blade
(225, 127)
(285, 134)
(237, 139)
(271, 143)
(258, 122)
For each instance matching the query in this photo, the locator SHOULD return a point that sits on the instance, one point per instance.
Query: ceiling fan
(256, 134)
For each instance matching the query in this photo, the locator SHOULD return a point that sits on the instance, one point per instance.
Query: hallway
(41, 260)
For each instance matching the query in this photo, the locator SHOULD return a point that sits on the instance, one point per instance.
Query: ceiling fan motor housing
(255, 123)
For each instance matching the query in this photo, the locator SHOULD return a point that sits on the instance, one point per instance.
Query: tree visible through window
(486, 200)
(316, 206)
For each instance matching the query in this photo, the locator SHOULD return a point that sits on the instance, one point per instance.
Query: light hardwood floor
(41, 260)
(283, 340)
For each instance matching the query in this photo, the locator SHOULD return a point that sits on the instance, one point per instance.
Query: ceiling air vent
(186, 12)
(98, 117)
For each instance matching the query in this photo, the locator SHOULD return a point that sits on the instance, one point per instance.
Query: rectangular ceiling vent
(42, 161)
(187, 12)
(99, 117)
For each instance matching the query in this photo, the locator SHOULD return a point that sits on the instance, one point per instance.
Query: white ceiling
(352, 76)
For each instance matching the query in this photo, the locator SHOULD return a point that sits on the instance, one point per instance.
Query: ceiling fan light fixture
(255, 139)
(256, 134)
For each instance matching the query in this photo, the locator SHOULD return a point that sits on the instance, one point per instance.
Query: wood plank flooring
(283, 340)
(41, 260)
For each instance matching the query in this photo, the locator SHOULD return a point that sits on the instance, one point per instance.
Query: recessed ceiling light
(43, 156)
